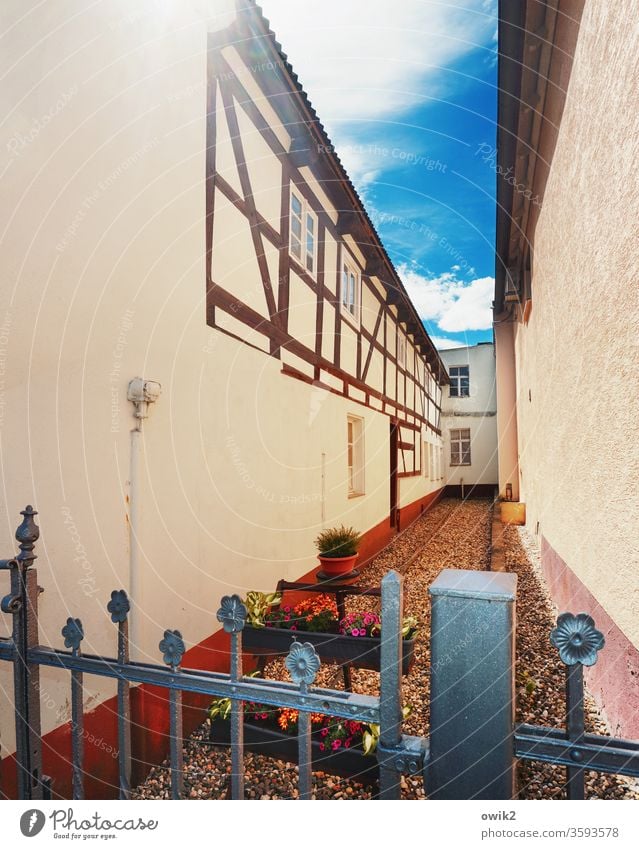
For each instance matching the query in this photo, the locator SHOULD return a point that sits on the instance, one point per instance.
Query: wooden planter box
(362, 652)
(349, 763)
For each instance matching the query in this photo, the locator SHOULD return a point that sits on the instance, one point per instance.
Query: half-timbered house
(174, 211)
(296, 270)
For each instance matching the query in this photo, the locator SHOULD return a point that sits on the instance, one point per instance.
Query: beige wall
(506, 397)
(103, 257)
(578, 357)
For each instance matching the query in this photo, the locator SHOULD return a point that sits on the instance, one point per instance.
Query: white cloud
(359, 61)
(455, 306)
(444, 344)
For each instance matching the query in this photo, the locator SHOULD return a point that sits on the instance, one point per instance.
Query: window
(431, 460)
(303, 244)
(426, 464)
(460, 447)
(355, 453)
(401, 350)
(350, 291)
(441, 463)
(459, 381)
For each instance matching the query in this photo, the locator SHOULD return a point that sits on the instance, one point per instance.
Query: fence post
(472, 686)
(26, 676)
(390, 685)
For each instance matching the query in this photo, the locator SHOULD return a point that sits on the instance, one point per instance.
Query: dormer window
(303, 233)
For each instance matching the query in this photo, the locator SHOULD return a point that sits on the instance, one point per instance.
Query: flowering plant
(332, 733)
(317, 614)
(313, 614)
(361, 625)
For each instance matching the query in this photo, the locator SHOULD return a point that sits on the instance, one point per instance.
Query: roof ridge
(252, 5)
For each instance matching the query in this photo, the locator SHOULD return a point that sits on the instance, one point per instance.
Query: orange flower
(287, 717)
(312, 606)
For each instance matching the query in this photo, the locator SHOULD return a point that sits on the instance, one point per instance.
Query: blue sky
(407, 92)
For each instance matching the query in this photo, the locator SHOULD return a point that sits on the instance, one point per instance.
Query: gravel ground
(451, 535)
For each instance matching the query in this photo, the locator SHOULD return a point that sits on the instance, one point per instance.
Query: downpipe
(141, 393)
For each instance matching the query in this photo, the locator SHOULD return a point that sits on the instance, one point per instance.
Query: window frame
(305, 213)
(460, 441)
(355, 456)
(353, 269)
(456, 379)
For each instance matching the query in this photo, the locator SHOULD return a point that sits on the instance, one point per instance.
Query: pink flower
(336, 745)
(324, 732)
(321, 747)
(286, 618)
(355, 632)
(264, 716)
(293, 628)
(287, 609)
(347, 743)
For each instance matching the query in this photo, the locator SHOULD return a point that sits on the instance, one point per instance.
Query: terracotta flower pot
(337, 567)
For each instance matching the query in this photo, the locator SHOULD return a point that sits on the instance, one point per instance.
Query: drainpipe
(141, 393)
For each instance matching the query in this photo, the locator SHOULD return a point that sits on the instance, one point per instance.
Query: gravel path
(451, 535)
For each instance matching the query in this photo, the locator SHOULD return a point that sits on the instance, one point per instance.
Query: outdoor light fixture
(142, 393)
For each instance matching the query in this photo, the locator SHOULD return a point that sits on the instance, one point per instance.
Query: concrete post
(472, 686)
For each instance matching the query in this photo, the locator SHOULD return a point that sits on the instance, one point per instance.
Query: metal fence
(473, 744)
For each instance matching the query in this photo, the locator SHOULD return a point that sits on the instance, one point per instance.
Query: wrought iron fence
(473, 740)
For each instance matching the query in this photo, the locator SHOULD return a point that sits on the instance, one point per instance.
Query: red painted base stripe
(614, 679)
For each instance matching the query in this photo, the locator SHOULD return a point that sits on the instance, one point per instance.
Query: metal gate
(473, 744)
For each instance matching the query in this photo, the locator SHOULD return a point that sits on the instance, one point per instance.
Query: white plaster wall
(578, 357)
(103, 222)
(481, 362)
(477, 412)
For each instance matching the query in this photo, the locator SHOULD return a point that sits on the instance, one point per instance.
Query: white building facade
(469, 421)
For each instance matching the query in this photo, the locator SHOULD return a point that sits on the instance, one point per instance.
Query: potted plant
(339, 746)
(354, 639)
(337, 549)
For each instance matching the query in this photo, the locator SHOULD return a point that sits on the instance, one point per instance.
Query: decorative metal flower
(577, 639)
(172, 648)
(302, 662)
(73, 634)
(232, 614)
(119, 606)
